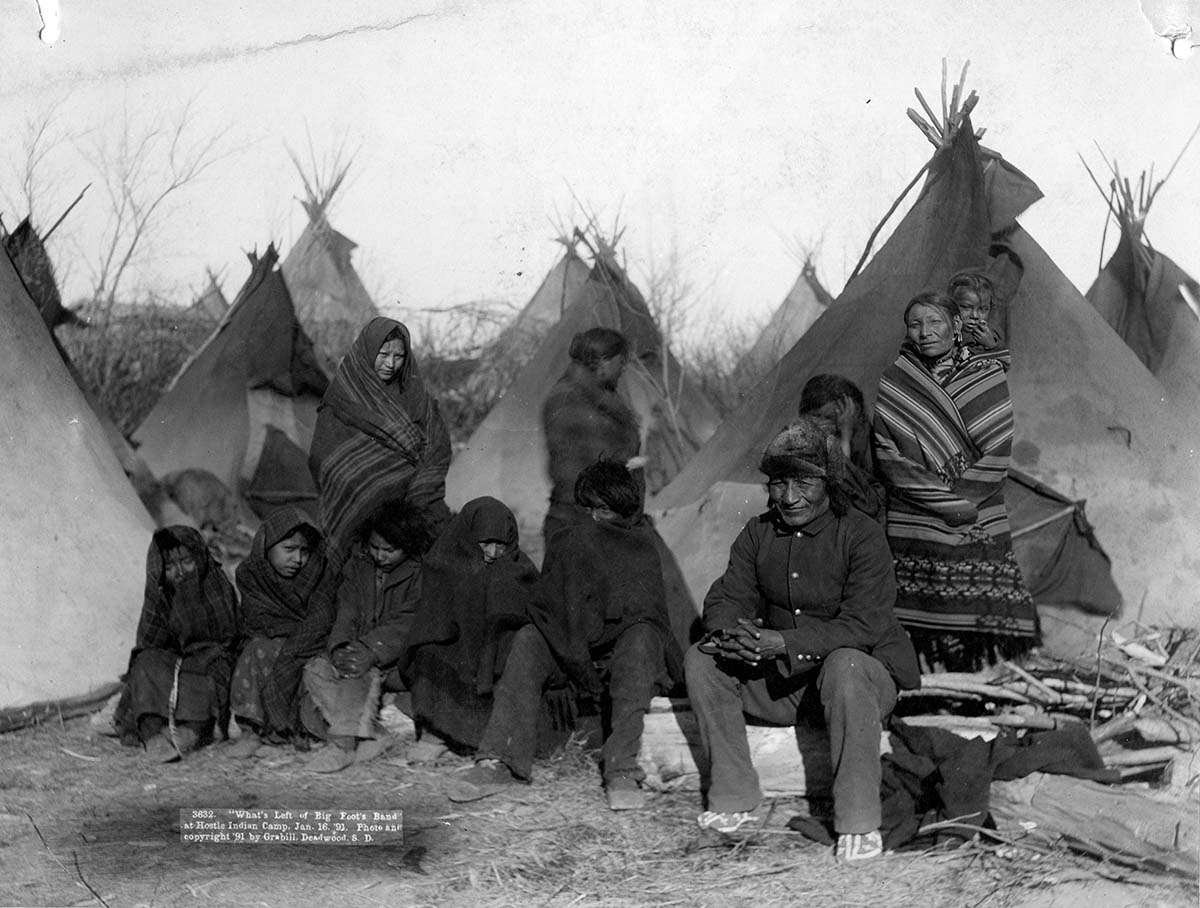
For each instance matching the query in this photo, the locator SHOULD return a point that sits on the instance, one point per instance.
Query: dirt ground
(84, 821)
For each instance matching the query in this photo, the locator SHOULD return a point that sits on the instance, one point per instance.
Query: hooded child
(477, 594)
(176, 694)
(287, 611)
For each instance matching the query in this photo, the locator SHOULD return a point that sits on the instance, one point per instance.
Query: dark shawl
(376, 442)
(301, 610)
(468, 614)
(599, 578)
(196, 621)
(584, 421)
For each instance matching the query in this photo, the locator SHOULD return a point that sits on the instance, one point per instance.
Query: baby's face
(975, 311)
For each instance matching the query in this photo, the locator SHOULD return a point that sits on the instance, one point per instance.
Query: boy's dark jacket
(598, 579)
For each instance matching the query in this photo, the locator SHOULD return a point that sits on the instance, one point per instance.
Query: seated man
(599, 618)
(377, 597)
(804, 609)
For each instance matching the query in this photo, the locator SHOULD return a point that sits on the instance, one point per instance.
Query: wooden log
(1124, 826)
(791, 761)
(988, 691)
(1181, 780)
(1114, 727)
(945, 693)
(963, 726)
(1142, 756)
(1021, 673)
(1166, 731)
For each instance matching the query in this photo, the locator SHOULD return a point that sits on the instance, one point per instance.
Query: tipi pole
(888, 214)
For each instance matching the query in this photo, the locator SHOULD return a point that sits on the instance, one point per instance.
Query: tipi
(330, 299)
(506, 455)
(519, 341)
(244, 406)
(211, 304)
(800, 308)
(74, 534)
(1140, 293)
(1089, 417)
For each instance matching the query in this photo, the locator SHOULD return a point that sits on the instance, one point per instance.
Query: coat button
(795, 574)
(796, 612)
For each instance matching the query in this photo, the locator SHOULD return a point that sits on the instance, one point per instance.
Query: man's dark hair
(404, 525)
(826, 389)
(590, 346)
(608, 484)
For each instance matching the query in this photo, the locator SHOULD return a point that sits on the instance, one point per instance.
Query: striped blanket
(375, 442)
(943, 448)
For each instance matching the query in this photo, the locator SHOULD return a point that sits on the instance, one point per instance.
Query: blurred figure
(836, 403)
(585, 419)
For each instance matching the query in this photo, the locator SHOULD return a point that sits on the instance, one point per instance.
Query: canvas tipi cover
(800, 308)
(519, 341)
(1089, 418)
(256, 371)
(73, 534)
(211, 304)
(330, 299)
(1138, 293)
(506, 455)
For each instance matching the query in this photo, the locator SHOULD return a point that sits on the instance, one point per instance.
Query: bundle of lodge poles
(1139, 697)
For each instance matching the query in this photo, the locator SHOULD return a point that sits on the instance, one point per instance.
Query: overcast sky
(736, 131)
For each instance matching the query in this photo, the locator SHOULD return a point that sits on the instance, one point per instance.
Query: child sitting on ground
(176, 694)
(286, 613)
(599, 619)
(377, 597)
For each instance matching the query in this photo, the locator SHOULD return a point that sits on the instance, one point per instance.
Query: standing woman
(379, 437)
(585, 419)
(943, 437)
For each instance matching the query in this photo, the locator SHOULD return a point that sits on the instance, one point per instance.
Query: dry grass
(127, 359)
(83, 820)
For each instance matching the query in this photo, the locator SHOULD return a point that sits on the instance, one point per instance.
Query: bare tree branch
(141, 170)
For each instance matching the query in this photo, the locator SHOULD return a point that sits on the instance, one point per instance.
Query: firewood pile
(1139, 698)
